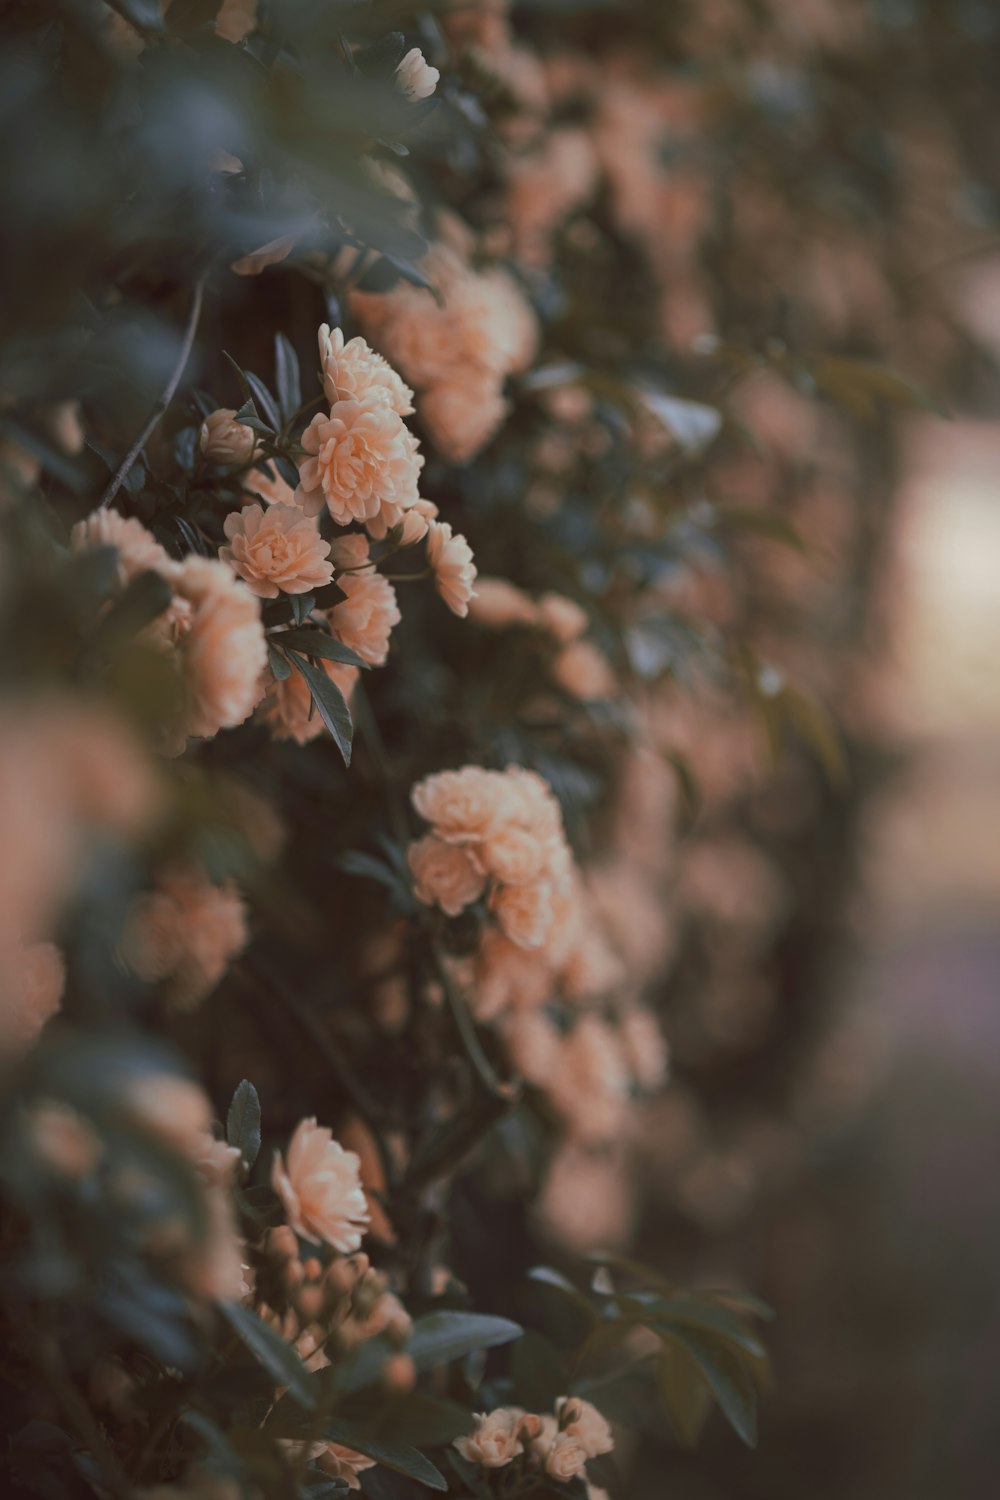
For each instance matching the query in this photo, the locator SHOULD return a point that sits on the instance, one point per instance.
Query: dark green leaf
(286, 377)
(243, 1122)
(726, 1375)
(443, 1336)
(271, 1350)
(539, 1371)
(302, 607)
(684, 1393)
(146, 596)
(398, 1456)
(330, 704)
(685, 1311)
(318, 643)
(280, 670)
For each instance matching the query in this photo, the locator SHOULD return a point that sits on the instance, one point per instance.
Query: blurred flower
(465, 806)
(582, 672)
(415, 77)
(450, 557)
(561, 617)
(524, 911)
(352, 371)
(344, 1463)
(364, 620)
(236, 19)
(497, 604)
(187, 932)
(462, 415)
(559, 1453)
(584, 1422)
(31, 984)
(359, 457)
(62, 1140)
(495, 1440)
(224, 440)
(287, 707)
(277, 549)
(445, 875)
(320, 1188)
(138, 550)
(645, 1048)
(223, 651)
(269, 486)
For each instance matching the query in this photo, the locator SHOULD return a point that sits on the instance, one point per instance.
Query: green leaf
(726, 1375)
(398, 1456)
(145, 598)
(443, 1336)
(269, 1348)
(330, 704)
(539, 1371)
(302, 607)
(864, 388)
(684, 1393)
(243, 1122)
(741, 1302)
(286, 377)
(686, 1311)
(280, 670)
(318, 643)
(423, 1420)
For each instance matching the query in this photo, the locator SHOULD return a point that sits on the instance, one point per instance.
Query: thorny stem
(187, 344)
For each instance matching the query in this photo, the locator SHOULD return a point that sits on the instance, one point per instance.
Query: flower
(445, 875)
(415, 78)
(561, 617)
(320, 1188)
(582, 672)
(359, 457)
(276, 549)
(498, 604)
(267, 484)
(287, 707)
(463, 415)
(532, 1044)
(645, 1048)
(236, 19)
(187, 931)
(584, 1422)
(62, 1140)
(514, 855)
(524, 911)
(466, 806)
(352, 371)
(224, 440)
(344, 1463)
(495, 1440)
(32, 979)
(450, 557)
(224, 651)
(138, 550)
(560, 1454)
(364, 620)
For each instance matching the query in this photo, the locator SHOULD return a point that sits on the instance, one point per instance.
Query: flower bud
(399, 1374)
(310, 1301)
(282, 1244)
(223, 440)
(415, 77)
(412, 528)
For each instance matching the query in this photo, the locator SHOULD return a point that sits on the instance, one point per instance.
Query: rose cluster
(557, 1443)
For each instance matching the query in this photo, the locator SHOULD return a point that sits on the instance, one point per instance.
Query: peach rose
(445, 875)
(495, 1440)
(320, 1188)
(645, 1049)
(138, 550)
(224, 650)
(415, 78)
(533, 1044)
(187, 932)
(364, 620)
(278, 549)
(591, 1089)
(359, 457)
(32, 979)
(224, 440)
(287, 707)
(466, 806)
(507, 976)
(584, 1422)
(524, 912)
(583, 672)
(462, 415)
(498, 604)
(236, 19)
(560, 1455)
(561, 617)
(450, 558)
(269, 486)
(514, 856)
(352, 371)
(533, 804)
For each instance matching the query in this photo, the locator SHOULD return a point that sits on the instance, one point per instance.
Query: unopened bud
(282, 1244)
(399, 1374)
(223, 440)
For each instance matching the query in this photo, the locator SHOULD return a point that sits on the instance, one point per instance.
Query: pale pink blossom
(446, 875)
(223, 651)
(363, 621)
(498, 604)
(279, 549)
(495, 1440)
(270, 487)
(583, 672)
(31, 982)
(359, 457)
(561, 617)
(524, 911)
(466, 806)
(450, 558)
(185, 932)
(415, 78)
(320, 1188)
(224, 440)
(462, 415)
(585, 1423)
(287, 707)
(352, 371)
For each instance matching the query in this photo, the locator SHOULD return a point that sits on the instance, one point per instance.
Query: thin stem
(187, 344)
(81, 1419)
